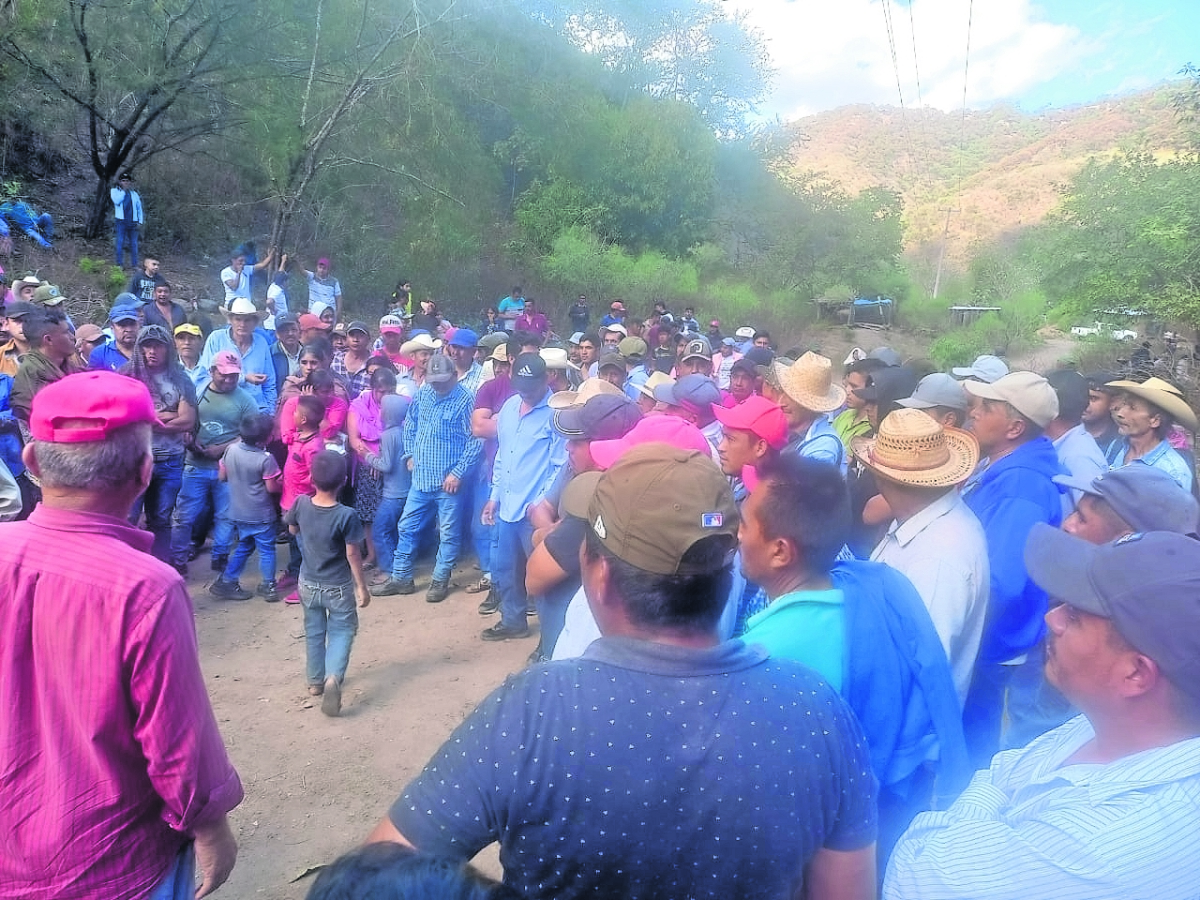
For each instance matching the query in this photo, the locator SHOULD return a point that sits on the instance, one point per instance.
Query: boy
(253, 475)
(303, 446)
(390, 462)
(331, 578)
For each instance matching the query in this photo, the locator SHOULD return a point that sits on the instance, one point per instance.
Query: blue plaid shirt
(437, 437)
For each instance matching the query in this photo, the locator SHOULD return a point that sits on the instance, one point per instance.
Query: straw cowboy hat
(588, 388)
(809, 382)
(912, 448)
(1162, 394)
(420, 342)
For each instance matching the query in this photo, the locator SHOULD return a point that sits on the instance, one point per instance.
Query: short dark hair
(866, 366)
(320, 346)
(163, 283)
(329, 470)
(527, 338)
(383, 379)
(38, 324)
(806, 502)
(591, 337)
(677, 602)
(387, 871)
(256, 429)
(380, 360)
(313, 407)
(322, 380)
(762, 334)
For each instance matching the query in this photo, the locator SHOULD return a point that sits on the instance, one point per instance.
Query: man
(532, 320)
(806, 392)
(188, 342)
(145, 280)
(940, 397)
(1097, 417)
(1105, 805)
(221, 405)
(713, 335)
(312, 328)
(633, 351)
(696, 359)
(688, 323)
(235, 278)
(1145, 414)
(723, 361)
(441, 453)
(1009, 495)
(934, 540)
(861, 625)
(116, 782)
(164, 311)
(391, 339)
(323, 287)
(489, 401)
(252, 349)
(50, 358)
(614, 316)
(762, 340)
(125, 318)
(743, 381)
(285, 351)
(529, 457)
(589, 353)
(1078, 453)
(510, 307)
(1122, 501)
(854, 421)
(15, 348)
(743, 338)
(128, 217)
(693, 399)
(656, 707)
(611, 336)
(986, 369)
(580, 314)
(461, 349)
(558, 369)
(751, 433)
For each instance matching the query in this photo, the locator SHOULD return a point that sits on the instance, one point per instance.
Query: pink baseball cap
(227, 363)
(759, 416)
(89, 406)
(323, 261)
(652, 429)
(308, 320)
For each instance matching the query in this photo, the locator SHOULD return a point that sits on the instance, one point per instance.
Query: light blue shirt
(255, 361)
(821, 442)
(804, 626)
(1079, 454)
(638, 376)
(529, 456)
(1031, 826)
(1164, 457)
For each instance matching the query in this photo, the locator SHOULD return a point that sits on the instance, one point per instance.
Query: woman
(277, 298)
(313, 357)
(492, 323)
(364, 428)
(428, 318)
(321, 383)
(351, 363)
(155, 364)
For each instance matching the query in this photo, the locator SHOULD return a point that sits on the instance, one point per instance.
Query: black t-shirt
(580, 315)
(324, 533)
(563, 544)
(142, 285)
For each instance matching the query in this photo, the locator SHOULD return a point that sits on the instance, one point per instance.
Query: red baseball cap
(759, 416)
(89, 406)
(308, 320)
(652, 429)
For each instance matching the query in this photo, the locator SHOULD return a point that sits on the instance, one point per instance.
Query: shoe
(228, 590)
(219, 563)
(268, 591)
(316, 690)
(438, 591)
(285, 581)
(331, 700)
(283, 535)
(530, 609)
(483, 584)
(194, 551)
(502, 632)
(490, 604)
(393, 586)
(181, 568)
(293, 597)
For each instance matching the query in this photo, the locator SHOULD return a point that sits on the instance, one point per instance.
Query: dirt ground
(315, 786)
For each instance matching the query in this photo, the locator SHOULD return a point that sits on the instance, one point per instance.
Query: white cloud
(835, 52)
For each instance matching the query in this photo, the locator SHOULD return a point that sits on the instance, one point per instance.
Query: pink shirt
(334, 423)
(109, 752)
(297, 468)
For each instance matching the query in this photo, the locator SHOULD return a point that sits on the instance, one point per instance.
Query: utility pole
(937, 278)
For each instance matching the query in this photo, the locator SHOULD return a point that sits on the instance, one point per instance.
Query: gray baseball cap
(1145, 497)
(986, 368)
(938, 389)
(696, 393)
(440, 369)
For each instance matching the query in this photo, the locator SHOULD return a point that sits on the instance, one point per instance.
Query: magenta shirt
(109, 752)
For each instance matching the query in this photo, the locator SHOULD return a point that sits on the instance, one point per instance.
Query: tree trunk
(98, 214)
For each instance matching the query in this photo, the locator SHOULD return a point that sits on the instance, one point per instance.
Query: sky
(1052, 53)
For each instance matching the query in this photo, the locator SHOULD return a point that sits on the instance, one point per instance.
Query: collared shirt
(1080, 455)
(1163, 456)
(472, 379)
(1033, 826)
(110, 752)
(943, 551)
(356, 382)
(529, 455)
(638, 376)
(848, 427)
(255, 361)
(437, 436)
(243, 283)
(821, 442)
(107, 356)
(723, 367)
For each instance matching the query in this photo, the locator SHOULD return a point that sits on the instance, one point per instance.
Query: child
(396, 480)
(253, 475)
(331, 578)
(304, 443)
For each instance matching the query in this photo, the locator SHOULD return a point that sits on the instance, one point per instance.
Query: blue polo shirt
(107, 356)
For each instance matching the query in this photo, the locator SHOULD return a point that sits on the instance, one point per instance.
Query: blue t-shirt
(643, 770)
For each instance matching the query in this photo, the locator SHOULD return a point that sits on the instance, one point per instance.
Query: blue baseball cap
(464, 337)
(123, 312)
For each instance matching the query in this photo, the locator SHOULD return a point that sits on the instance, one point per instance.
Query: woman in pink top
(364, 427)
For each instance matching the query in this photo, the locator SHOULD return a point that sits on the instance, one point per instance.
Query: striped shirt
(1031, 826)
(437, 436)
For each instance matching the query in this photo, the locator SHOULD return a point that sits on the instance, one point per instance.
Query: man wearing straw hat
(934, 539)
(806, 391)
(1144, 414)
(242, 338)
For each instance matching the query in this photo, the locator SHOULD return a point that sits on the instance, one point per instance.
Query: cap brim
(665, 393)
(963, 371)
(577, 495)
(1060, 563)
(1077, 484)
(910, 402)
(563, 399)
(569, 422)
(983, 390)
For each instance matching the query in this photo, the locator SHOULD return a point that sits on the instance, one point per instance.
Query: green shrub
(115, 280)
(89, 266)
(958, 348)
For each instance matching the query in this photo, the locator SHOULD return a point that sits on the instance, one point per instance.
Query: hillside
(999, 167)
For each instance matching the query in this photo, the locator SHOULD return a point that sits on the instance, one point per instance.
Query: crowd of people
(929, 634)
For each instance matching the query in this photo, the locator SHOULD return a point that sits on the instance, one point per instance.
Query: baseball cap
(389, 325)
(617, 306)
(745, 333)
(1147, 498)
(715, 323)
(888, 385)
(610, 359)
(604, 417)
(728, 342)
(189, 328)
(308, 320)
(19, 309)
(529, 370)
(1146, 584)
(493, 340)
(695, 393)
(1098, 381)
(88, 406)
(31, 280)
(886, 355)
(698, 346)
(359, 326)
(227, 362)
(1027, 392)
(88, 333)
(938, 389)
(323, 261)
(651, 507)
(651, 429)
(576, 338)
(986, 368)
(285, 319)
(440, 369)
(633, 348)
(759, 416)
(123, 312)
(616, 327)
(340, 328)
(464, 337)
(48, 294)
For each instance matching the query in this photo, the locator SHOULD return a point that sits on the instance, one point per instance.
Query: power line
(962, 139)
(887, 21)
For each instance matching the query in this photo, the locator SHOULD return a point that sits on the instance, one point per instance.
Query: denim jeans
(552, 613)
(201, 488)
(249, 536)
(330, 623)
(180, 881)
(514, 543)
(418, 508)
(483, 537)
(126, 230)
(385, 529)
(159, 502)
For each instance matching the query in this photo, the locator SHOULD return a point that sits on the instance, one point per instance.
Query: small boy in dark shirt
(253, 476)
(331, 577)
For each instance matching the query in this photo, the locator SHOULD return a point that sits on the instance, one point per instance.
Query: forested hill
(999, 168)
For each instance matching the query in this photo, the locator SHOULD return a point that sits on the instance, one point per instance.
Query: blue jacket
(10, 437)
(897, 679)
(1009, 498)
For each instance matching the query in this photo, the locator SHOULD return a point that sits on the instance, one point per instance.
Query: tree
(147, 75)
